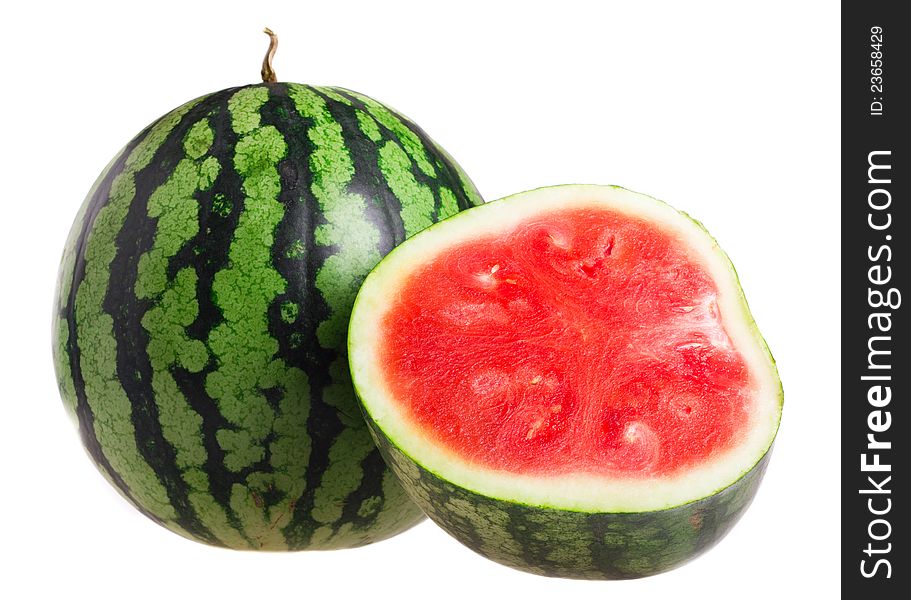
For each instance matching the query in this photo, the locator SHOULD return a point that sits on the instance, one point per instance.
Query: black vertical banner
(876, 300)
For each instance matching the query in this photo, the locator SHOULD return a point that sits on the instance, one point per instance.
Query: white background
(728, 111)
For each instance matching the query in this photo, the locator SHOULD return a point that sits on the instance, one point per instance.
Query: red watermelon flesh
(583, 340)
(569, 381)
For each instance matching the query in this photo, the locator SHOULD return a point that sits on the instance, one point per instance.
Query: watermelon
(568, 381)
(202, 309)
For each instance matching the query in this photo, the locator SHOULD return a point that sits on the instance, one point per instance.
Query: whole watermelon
(203, 303)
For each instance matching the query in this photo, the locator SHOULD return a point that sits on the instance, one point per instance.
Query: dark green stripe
(353, 238)
(149, 341)
(449, 175)
(363, 504)
(299, 459)
(63, 307)
(384, 209)
(419, 172)
(109, 404)
(296, 257)
(326, 189)
(466, 195)
(464, 190)
(371, 200)
(96, 201)
(207, 254)
(394, 123)
(260, 395)
(402, 164)
(336, 189)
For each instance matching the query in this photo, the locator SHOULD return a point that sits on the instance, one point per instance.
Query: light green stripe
(98, 361)
(344, 473)
(409, 139)
(244, 349)
(247, 505)
(177, 211)
(244, 290)
(416, 199)
(338, 279)
(415, 148)
(569, 546)
(290, 452)
(386, 510)
(342, 476)
(471, 193)
(346, 227)
(449, 205)
(61, 335)
(61, 331)
(175, 207)
(368, 126)
(334, 95)
(168, 346)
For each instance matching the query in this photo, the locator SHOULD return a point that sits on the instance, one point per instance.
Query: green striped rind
(578, 545)
(202, 307)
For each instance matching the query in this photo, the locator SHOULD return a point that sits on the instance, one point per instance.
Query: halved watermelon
(569, 381)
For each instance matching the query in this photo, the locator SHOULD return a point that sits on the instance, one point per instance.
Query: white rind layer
(582, 492)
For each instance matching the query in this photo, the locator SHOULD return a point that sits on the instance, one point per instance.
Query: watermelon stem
(267, 72)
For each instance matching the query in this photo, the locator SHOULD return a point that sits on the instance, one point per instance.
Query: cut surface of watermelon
(578, 347)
